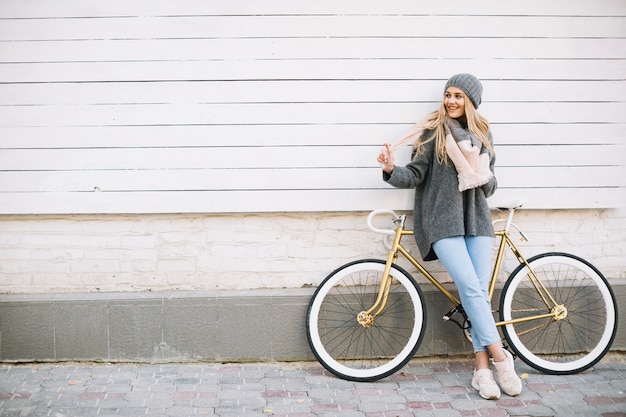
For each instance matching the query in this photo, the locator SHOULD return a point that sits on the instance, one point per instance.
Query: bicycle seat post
(509, 219)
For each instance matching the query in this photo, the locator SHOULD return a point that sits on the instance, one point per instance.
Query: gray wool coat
(440, 210)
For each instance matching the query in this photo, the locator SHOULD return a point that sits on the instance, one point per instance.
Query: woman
(452, 173)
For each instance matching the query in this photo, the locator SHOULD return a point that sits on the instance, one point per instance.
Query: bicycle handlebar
(508, 221)
(377, 213)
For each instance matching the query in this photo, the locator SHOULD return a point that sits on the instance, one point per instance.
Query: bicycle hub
(559, 312)
(365, 319)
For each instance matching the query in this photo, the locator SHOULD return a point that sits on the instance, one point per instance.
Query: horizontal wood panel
(511, 70)
(564, 198)
(286, 135)
(188, 27)
(560, 155)
(299, 91)
(188, 158)
(307, 48)
(282, 157)
(193, 180)
(283, 179)
(295, 113)
(158, 106)
(572, 177)
(272, 201)
(70, 8)
(191, 158)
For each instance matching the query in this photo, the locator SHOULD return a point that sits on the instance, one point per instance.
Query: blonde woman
(452, 174)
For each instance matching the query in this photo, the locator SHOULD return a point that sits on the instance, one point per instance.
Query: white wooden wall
(155, 106)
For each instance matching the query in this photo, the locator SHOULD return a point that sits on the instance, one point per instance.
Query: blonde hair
(435, 123)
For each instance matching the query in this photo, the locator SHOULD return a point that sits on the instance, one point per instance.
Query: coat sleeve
(411, 175)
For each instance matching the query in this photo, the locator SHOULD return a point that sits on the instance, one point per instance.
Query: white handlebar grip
(375, 213)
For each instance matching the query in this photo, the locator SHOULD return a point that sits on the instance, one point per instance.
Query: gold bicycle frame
(366, 318)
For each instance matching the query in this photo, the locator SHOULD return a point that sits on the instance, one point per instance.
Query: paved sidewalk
(428, 387)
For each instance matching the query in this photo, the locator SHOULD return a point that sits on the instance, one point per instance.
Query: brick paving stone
(426, 388)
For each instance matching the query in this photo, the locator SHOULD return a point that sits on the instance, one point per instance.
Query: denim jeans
(468, 261)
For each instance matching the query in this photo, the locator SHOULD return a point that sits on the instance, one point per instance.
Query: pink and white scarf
(471, 162)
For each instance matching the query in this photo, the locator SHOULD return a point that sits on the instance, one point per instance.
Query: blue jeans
(468, 261)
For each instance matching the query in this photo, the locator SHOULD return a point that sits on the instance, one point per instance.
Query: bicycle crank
(365, 319)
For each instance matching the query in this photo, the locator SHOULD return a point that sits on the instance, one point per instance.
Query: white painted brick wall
(91, 253)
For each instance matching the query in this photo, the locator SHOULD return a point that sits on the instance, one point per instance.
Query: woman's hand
(386, 159)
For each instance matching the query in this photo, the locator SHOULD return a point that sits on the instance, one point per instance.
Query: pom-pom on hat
(470, 85)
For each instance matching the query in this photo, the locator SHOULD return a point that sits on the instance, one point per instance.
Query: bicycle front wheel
(582, 328)
(359, 352)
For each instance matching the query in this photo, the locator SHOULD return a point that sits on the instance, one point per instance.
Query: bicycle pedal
(449, 314)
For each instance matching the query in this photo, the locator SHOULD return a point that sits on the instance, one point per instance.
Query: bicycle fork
(366, 318)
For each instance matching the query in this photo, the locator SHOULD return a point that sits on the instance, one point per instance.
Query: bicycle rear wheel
(355, 352)
(578, 339)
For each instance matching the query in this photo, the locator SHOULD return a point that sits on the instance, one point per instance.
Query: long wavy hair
(433, 127)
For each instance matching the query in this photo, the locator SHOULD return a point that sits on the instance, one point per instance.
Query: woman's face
(454, 101)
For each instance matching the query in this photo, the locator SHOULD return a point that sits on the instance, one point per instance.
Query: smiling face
(454, 101)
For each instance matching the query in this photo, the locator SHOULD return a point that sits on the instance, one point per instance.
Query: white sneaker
(483, 382)
(510, 383)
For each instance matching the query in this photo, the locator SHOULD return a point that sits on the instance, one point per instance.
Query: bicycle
(367, 318)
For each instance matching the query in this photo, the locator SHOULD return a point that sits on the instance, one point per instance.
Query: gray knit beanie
(470, 85)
